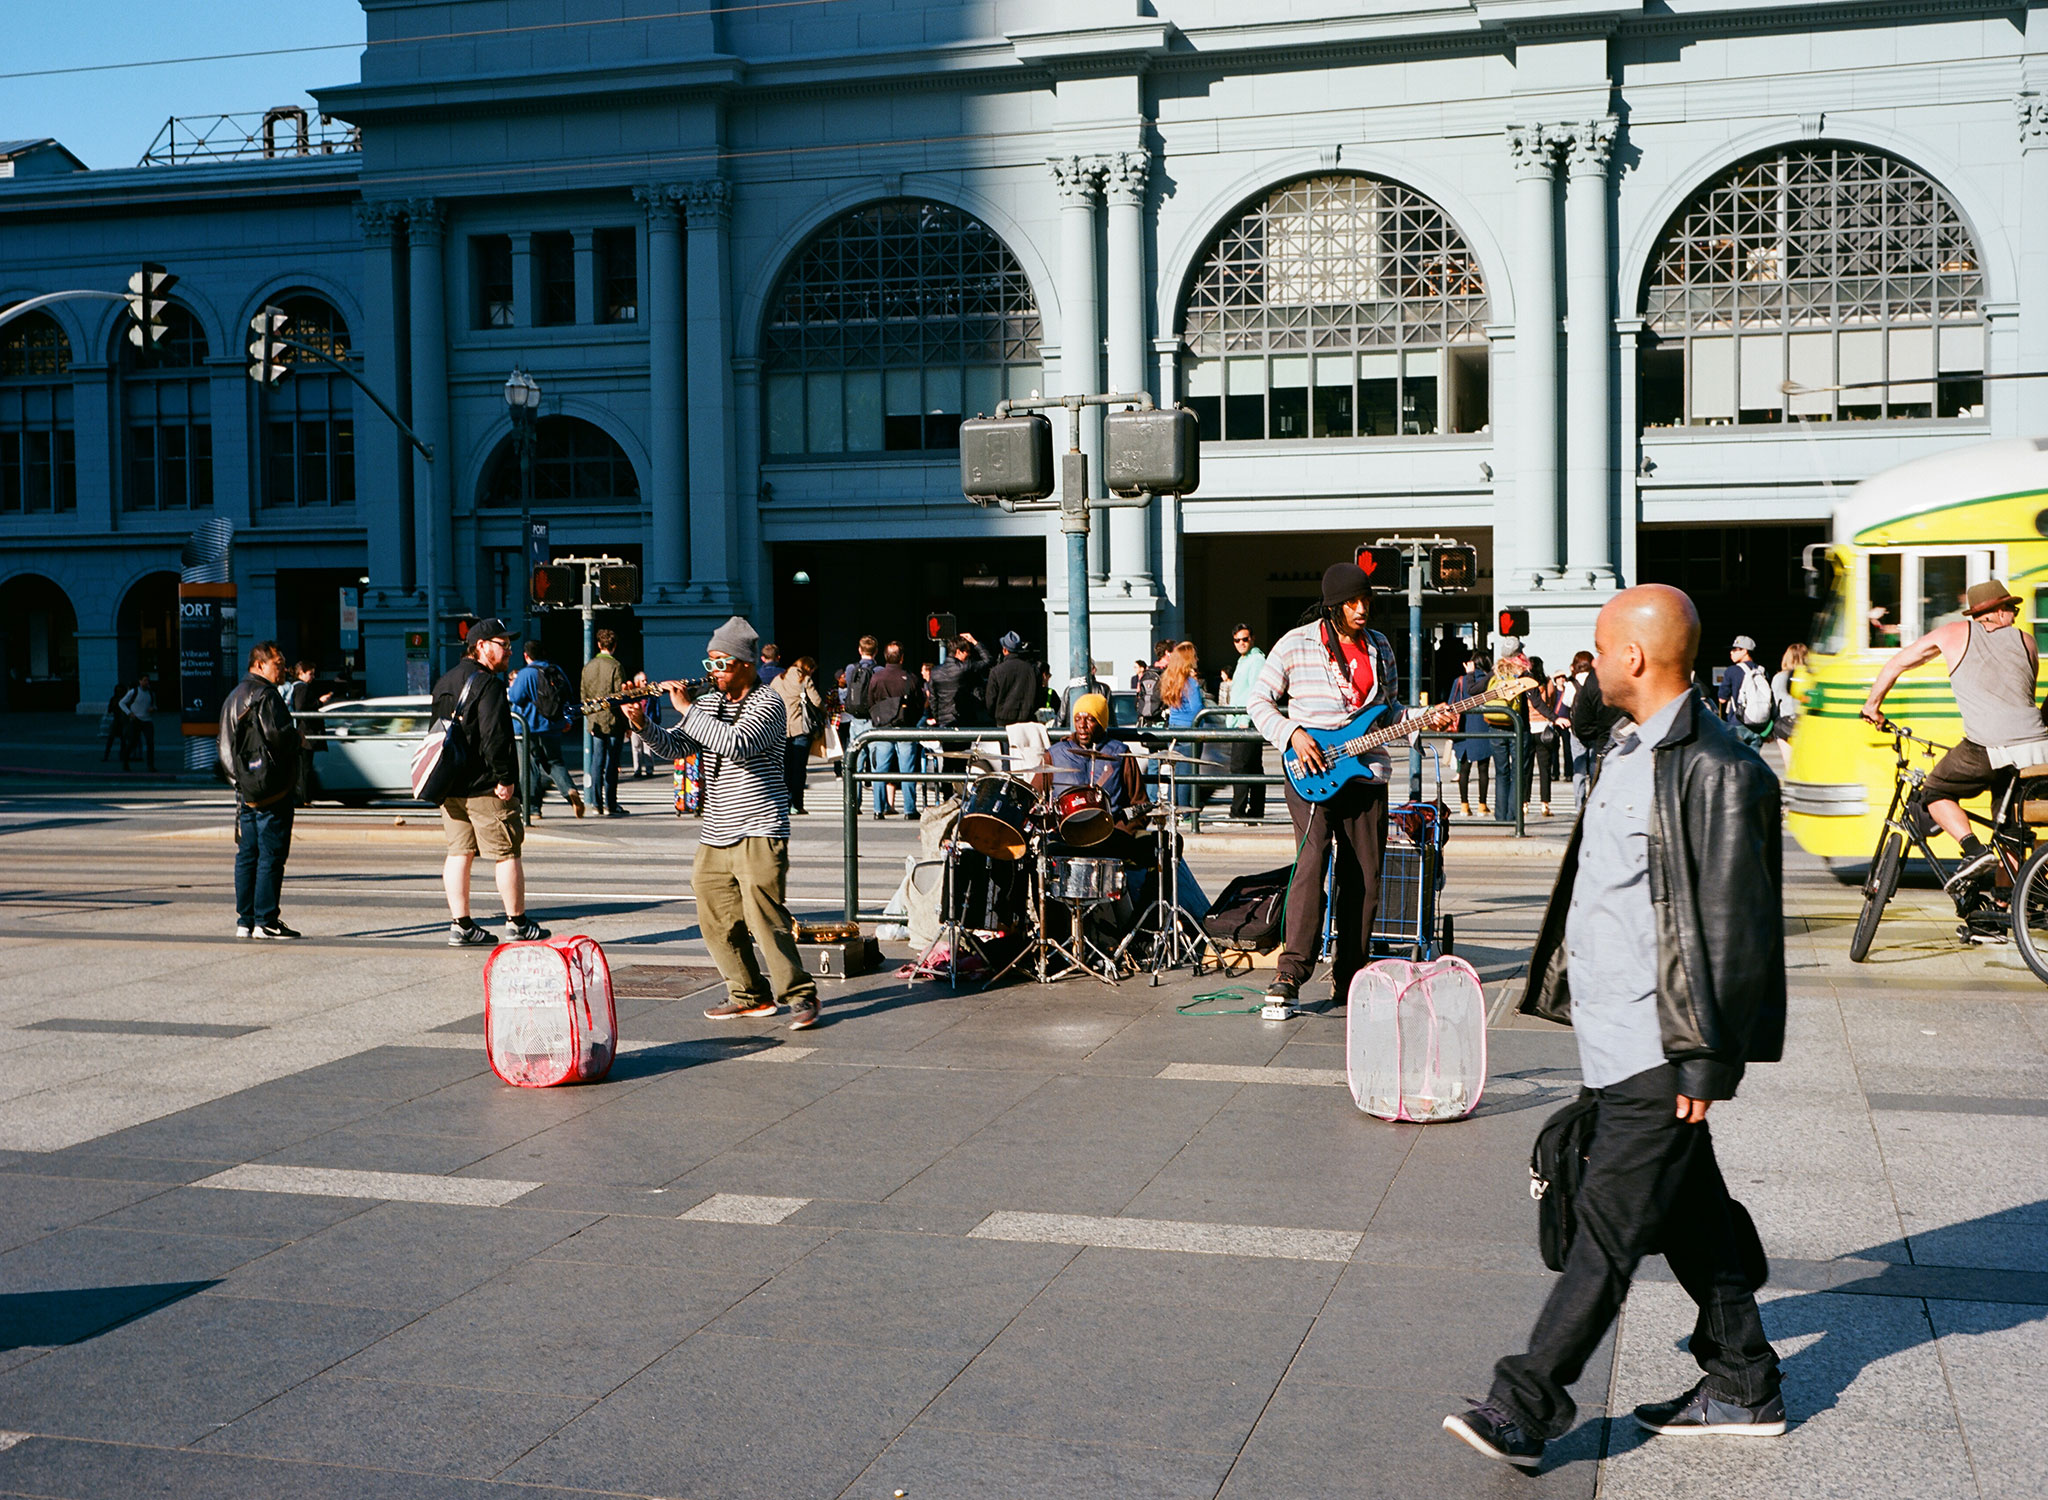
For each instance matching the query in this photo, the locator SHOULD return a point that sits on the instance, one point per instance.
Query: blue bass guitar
(1344, 750)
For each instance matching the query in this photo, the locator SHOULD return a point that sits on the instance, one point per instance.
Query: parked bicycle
(2017, 897)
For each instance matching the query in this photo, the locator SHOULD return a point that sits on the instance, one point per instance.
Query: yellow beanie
(1095, 706)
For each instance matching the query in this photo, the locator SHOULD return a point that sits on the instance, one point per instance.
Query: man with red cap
(1321, 675)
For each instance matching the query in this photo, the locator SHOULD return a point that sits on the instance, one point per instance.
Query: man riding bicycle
(1991, 669)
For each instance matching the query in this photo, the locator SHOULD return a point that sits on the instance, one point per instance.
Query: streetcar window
(2041, 622)
(1886, 570)
(1944, 581)
(1831, 621)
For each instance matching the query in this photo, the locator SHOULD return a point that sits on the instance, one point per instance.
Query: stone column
(433, 485)
(1130, 550)
(1528, 552)
(667, 552)
(1079, 179)
(1589, 433)
(713, 504)
(386, 521)
(585, 243)
(2030, 397)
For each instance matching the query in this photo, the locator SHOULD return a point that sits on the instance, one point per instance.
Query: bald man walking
(1663, 948)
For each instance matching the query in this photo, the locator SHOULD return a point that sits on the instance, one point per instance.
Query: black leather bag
(1250, 914)
(1557, 1165)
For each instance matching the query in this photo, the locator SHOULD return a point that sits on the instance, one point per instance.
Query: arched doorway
(39, 643)
(148, 632)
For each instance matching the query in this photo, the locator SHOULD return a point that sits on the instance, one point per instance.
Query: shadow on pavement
(30, 1320)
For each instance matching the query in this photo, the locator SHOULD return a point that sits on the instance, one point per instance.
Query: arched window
(38, 457)
(168, 428)
(892, 322)
(1337, 306)
(574, 463)
(1820, 265)
(309, 424)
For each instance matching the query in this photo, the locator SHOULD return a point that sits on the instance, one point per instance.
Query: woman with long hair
(1785, 702)
(1479, 752)
(1180, 689)
(805, 707)
(1579, 759)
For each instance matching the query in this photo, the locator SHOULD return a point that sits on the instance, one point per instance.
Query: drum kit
(1030, 863)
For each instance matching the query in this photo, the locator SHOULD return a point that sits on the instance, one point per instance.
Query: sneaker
(244, 931)
(1700, 1411)
(1496, 1434)
(738, 1010)
(576, 802)
(1283, 989)
(1973, 869)
(277, 930)
(616, 812)
(526, 930)
(471, 936)
(804, 1017)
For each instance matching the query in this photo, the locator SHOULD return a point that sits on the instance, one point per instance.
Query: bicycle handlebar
(1900, 731)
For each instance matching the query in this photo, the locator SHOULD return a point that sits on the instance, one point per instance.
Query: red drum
(1082, 815)
(995, 815)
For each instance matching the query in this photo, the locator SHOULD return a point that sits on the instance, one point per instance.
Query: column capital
(707, 202)
(426, 220)
(1587, 145)
(379, 220)
(2032, 111)
(1126, 175)
(1079, 179)
(661, 201)
(1534, 150)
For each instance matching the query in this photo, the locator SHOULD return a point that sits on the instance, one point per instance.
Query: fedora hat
(1989, 595)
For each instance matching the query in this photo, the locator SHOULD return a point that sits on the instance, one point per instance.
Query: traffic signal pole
(1418, 550)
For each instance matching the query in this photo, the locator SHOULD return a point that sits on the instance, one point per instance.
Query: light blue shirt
(1610, 934)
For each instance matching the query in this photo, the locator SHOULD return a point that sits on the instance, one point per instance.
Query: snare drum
(995, 815)
(1085, 881)
(1082, 815)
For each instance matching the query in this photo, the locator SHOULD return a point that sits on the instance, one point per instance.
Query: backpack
(1251, 911)
(886, 712)
(1151, 704)
(551, 693)
(1755, 703)
(259, 775)
(857, 682)
(438, 764)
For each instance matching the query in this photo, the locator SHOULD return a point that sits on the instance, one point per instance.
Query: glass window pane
(904, 394)
(942, 390)
(1811, 364)
(1713, 380)
(1379, 406)
(864, 411)
(1883, 611)
(1763, 372)
(984, 388)
(202, 466)
(1912, 360)
(823, 394)
(1418, 405)
(1944, 583)
(1289, 412)
(785, 414)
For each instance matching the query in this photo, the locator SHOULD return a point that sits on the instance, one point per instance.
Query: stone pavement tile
(392, 1072)
(1414, 1245)
(744, 1419)
(67, 1469)
(867, 1138)
(1853, 1216)
(60, 1058)
(551, 1327)
(1088, 1368)
(392, 1424)
(607, 1198)
(1159, 1038)
(236, 1128)
(408, 1256)
(88, 1162)
(1818, 1462)
(1159, 1278)
(1993, 1355)
(904, 1218)
(899, 1291)
(176, 1374)
(1991, 1243)
(1328, 1440)
(1831, 1139)
(633, 1150)
(1076, 1145)
(2004, 1174)
(88, 1256)
(365, 1147)
(278, 1218)
(689, 1246)
(1988, 1078)
(1468, 1180)
(930, 1460)
(36, 1206)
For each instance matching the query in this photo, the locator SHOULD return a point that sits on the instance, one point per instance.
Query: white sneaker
(244, 932)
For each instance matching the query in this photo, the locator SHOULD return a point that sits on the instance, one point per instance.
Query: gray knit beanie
(737, 638)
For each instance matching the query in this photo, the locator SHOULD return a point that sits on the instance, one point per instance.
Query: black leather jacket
(1717, 889)
(956, 689)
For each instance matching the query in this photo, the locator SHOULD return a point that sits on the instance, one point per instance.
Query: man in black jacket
(259, 749)
(956, 699)
(1013, 691)
(895, 701)
(481, 817)
(1664, 948)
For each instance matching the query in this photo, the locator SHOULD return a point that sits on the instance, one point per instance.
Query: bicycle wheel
(2030, 912)
(1877, 890)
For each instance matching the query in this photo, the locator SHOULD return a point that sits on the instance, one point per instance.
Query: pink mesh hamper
(548, 1015)
(1415, 1039)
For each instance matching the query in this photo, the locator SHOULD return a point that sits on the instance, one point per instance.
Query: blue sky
(108, 119)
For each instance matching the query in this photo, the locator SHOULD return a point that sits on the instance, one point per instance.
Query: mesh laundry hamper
(548, 1015)
(1415, 1039)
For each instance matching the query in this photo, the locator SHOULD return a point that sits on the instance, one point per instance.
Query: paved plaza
(269, 1226)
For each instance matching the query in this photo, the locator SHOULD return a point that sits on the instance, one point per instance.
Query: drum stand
(1042, 950)
(955, 929)
(1177, 938)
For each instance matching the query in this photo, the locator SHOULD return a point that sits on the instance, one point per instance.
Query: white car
(363, 748)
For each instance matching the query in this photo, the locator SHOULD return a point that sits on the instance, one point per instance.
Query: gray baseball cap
(1742, 643)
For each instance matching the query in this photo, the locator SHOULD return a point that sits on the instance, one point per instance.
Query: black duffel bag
(1250, 914)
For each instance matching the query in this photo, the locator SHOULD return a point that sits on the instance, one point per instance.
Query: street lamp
(522, 401)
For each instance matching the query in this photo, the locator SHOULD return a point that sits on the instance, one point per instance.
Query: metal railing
(320, 737)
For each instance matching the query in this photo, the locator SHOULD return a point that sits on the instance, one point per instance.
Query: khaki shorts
(482, 825)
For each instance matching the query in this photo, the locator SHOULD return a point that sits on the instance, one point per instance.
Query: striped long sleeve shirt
(1300, 686)
(738, 746)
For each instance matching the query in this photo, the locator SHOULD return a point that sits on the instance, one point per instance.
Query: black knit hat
(1342, 581)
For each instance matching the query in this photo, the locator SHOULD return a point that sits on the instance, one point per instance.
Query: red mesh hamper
(548, 1015)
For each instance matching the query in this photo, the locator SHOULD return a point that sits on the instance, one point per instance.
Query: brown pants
(1358, 817)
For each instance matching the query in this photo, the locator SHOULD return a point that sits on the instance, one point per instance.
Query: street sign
(536, 546)
(206, 632)
(351, 621)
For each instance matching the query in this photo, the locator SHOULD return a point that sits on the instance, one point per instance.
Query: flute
(695, 687)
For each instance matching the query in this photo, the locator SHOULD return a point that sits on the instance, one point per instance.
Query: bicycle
(2011, 836)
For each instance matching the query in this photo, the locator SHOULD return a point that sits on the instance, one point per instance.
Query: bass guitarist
(1320, 675)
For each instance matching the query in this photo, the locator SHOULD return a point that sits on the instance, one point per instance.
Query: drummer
(1089, 757)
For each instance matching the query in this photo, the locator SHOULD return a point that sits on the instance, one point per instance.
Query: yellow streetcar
(1908, 543)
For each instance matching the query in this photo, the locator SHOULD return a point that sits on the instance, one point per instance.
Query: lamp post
(522, 401)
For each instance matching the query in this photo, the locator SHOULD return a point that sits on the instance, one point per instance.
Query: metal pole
(1074, 524)
(523, 435)
(849, 837)
(589, 613)
(1416, 555)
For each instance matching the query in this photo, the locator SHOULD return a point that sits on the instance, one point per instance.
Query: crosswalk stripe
(743, 1208)
(396, 1187)
(1239, 1073)
(1169, 1234)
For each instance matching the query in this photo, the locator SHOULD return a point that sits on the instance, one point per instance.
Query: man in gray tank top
(1991, 669)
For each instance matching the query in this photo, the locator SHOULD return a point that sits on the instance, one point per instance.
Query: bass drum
(1082, 816)
(986, 895)
(995, 815)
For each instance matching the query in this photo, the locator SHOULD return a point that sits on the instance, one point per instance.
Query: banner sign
(351, 621)
(206, 647)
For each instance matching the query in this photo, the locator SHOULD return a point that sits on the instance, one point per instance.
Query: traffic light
(940, 627)
(460, 626)
(554, 586)
(618, 585)
(1452, 570)
(1381, 565)
(1514, 622)
(266, 354)
(1006, 458)
(1155, 451)
(147, 289)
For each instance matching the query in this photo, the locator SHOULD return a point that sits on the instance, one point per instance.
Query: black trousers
(1356, 818)
(1247, 759)
(1651, 1185)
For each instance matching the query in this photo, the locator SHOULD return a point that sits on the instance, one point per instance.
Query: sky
(108, 118)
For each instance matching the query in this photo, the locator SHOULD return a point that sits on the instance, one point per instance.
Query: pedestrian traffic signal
(1006, 459)
(554, 586)
(1514, 622)
(1452, 570)
(1156, 450)
(618, 585)
(266, 352)
(1381, 566)
(940, 627)
(147, 290)
(460, 626)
